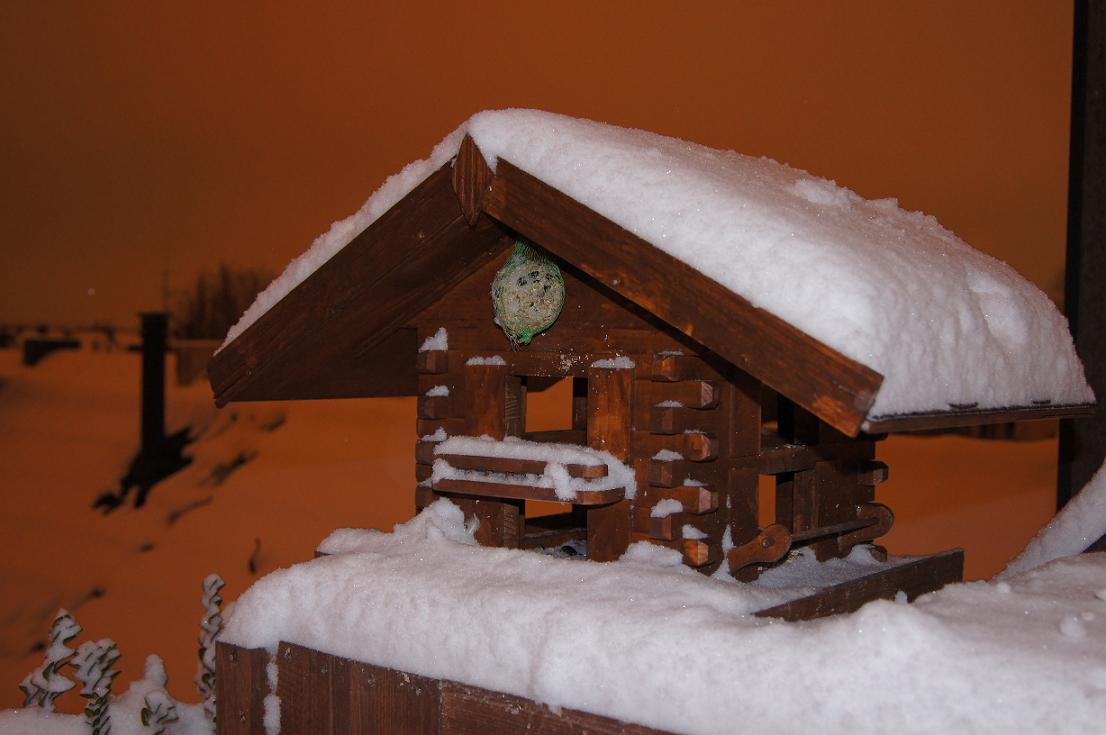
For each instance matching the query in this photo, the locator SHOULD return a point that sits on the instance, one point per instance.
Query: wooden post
(1083, 441)
(485, 411)
(155, 335)
(609, 427)
(241, 685)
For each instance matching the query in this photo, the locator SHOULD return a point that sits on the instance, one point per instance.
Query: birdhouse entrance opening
(554, 409)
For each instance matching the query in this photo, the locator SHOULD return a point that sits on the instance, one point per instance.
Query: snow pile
(647, 640)
(888, 288)
(1081, 522)
(555, 456)
(126, 712)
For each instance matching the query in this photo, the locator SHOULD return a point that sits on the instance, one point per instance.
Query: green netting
(528, 293)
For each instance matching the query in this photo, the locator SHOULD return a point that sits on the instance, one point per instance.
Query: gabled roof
(870, 317)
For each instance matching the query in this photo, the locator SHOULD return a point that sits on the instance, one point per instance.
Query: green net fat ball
(528, 293)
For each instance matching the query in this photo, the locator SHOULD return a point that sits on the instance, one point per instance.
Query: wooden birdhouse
(724, 324)
(685, 394)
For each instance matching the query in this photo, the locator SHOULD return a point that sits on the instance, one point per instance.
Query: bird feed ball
(528, 293)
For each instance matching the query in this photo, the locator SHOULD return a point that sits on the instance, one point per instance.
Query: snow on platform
(943, 323)
(646, 640)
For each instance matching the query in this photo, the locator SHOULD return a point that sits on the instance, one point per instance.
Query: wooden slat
(525, 492)
(973, 417)
(518, 466)
(240, 689)
(304, 688)
(339, 332)
(915, 578)
(778, 459)
(832, 386)
(384, 700)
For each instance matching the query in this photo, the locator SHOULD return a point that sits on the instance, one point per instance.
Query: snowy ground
(69, 426)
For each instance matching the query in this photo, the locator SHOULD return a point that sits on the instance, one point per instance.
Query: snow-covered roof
(647, 640)
(946, 325)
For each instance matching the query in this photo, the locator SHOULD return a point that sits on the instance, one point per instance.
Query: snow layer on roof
(891, 289)
(647, 640)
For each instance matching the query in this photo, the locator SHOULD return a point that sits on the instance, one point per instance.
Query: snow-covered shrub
(94, 662)
(159, 710)
(45, 684)
(211, 625)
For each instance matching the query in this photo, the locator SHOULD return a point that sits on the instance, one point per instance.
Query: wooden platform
(325, 694)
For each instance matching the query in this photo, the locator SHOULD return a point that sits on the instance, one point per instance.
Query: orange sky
(138, 138)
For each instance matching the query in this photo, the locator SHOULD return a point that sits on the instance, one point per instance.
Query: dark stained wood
(672, 420)
(769, 545)
(435, 407)
(915, 578)
(432, 362)
(609, 420)
(471, 177)
(669, 367)
(483, 400)
(608, 530)
(691, 393)
(837, 389)
(518, 466)
(304, 688)
(796, 501)
(695, 447)
(339, 333)
(609, 428)
(972, 417)
(695, 498)
(382, 700)
(525, 492)
(468, 710)
(241, 685)
(452, 427)
(667, 472)
(1083, 443)
(872, 473)
(558, 436)
(778, 459)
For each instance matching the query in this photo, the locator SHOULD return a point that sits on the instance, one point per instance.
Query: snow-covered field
(69, 427)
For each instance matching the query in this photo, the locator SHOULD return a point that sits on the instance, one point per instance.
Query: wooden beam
(340, 332)
(1083, 443)
(837, 389)
(972, 417)
(471, 177)
(515, 466)
(505, 490)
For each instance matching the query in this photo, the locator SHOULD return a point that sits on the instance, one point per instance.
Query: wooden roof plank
(344, 313)
(972, 417)
(835, 388)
